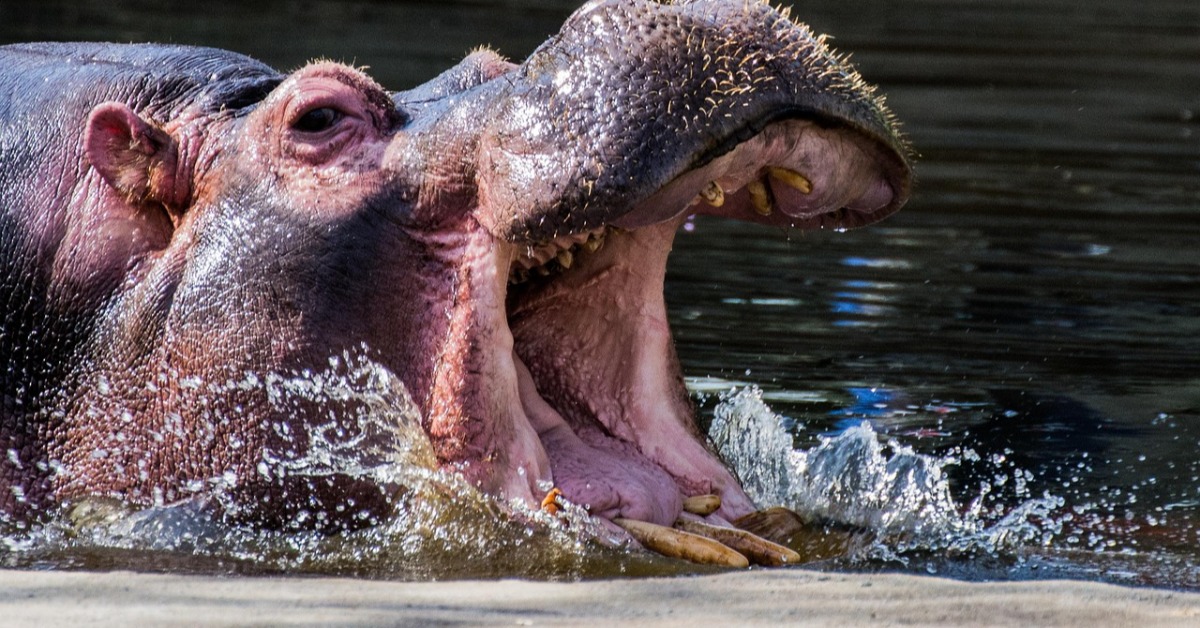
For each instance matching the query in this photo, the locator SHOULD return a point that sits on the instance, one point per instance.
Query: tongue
(608, 477)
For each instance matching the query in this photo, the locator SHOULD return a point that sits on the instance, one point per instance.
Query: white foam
(855, 478)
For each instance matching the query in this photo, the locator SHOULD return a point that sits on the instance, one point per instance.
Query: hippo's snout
(632, 97)
(580, 163)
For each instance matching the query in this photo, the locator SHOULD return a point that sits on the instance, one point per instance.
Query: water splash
(438, 526)
(901, 497)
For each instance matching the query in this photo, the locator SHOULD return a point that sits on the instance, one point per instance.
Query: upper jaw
(606, 125)
(795, 173)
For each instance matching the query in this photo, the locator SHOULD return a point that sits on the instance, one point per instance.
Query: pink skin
(597, 342)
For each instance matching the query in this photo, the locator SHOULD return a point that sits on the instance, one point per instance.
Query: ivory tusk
(757, 549)
(679, 544)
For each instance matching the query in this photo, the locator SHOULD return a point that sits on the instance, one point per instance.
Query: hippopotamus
(177, 219)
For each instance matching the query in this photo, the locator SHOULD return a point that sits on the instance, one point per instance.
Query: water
(1002, 381)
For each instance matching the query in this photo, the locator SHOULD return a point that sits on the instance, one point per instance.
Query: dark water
(1027, 329)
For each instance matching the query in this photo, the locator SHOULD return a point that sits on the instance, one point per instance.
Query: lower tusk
(757, 549)
(679, 544)
(702, 505)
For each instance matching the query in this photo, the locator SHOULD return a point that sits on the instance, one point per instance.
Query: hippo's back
(158, 77)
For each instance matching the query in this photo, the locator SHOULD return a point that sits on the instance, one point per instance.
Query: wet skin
(174, 219)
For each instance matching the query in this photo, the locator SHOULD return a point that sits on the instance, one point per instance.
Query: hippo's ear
(136, 158)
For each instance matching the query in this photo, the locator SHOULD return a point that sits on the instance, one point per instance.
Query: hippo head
(496, 238)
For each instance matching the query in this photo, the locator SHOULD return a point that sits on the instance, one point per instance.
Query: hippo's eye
(317, 120)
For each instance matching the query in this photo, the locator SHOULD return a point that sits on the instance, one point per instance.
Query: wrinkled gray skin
(174, 220)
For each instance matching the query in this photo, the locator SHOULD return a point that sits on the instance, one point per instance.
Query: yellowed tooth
(565, 258)
(757, 549)
(594, 242)
(760, 198)
(791, 178)
(679, 544)
(702, 505)
(713, 194)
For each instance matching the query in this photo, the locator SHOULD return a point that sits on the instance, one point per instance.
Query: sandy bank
(763, 597)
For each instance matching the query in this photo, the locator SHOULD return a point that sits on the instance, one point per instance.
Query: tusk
(791, 178)
(760, 198)
(713, 194)
(679, 544)
(702, 505)
(757, 549)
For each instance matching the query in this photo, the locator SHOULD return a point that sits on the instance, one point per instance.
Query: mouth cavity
(588, 319)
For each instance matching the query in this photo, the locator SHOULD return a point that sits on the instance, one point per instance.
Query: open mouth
(590, 156)
(595, 359)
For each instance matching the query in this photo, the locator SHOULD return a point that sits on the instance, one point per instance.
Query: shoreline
(758, 597)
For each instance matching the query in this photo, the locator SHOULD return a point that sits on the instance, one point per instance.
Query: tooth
(713, 194)
(519, 276)
(791, 178)
(702, 505)
(760, 198)
(594, 242)
(679, 544)
(542, 271)
(565, 258)
(757, 549)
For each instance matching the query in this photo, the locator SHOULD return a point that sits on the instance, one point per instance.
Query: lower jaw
(600, 361)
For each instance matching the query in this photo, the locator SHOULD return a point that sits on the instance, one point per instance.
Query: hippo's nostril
(400, 117)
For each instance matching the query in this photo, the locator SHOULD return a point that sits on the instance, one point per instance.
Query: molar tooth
(565, 258)
(791, 178)
(713, 194)
(542, 271)
(760, 198)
